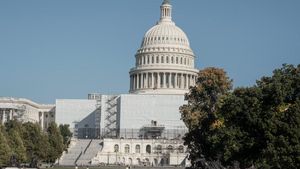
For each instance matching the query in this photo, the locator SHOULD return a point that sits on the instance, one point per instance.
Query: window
(162, 59)
(167, 59)
(152, 59)
(137, 149)
(157, 59)
(176, 60)
(116, 148)
(170, 149)
(159, 148)
(148, 149)
(180, 149)
(127, 148)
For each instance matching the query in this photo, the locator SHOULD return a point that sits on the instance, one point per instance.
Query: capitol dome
(165, 61)
(165, 34)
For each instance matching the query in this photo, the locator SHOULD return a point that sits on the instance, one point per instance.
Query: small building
(26, 110)
(142, 152)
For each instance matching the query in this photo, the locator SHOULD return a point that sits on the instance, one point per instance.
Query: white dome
(165, 61)
(165, 34)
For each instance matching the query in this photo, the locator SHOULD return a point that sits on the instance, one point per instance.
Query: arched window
(148, 149)
(172, 60)
(152, 59)
(185, 61)
(148, 60)
(162, 59)
(159, 149)
(127, 148)
(157, 59)
(167, 59)
(176, 60)
(170, 149)
(181, 149)
(137, 149)
(180, 60)
(116, 148)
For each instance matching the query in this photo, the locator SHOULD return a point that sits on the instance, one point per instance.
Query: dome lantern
(166, 11)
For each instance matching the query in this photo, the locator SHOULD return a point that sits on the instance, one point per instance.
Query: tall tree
(14, 129)
(5, 151)
(36, 143)
(255, 126)
(66, 133)
(55, 141)
(199, 114)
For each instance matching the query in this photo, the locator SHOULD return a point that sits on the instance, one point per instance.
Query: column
(152, 80)
(3, 116)
(147, 80)
(134, 82)
(142, 80)
(10, 114)
(170, 83)
(138, 81)
(164, 78)
(175, 80)
(185, 81)
(131, 82)
(194, 80)
(158, 80)
(182, 82)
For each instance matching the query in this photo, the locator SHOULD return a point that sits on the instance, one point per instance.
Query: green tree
(14, 129)
(199, 114)
(255, 126)
(55, 141)
(36, 143)
(5, 151)
(66, 134)
(17, 146)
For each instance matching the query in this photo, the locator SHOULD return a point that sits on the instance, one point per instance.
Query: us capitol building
(144, 126)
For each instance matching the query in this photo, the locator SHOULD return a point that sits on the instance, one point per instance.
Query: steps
(77, 146)
(91, 151)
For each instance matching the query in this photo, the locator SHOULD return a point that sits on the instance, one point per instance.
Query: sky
(65, 49)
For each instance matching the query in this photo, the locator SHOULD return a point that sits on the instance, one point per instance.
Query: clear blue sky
(69, 48)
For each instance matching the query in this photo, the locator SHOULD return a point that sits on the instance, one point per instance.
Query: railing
(87, 146)
(77, 158)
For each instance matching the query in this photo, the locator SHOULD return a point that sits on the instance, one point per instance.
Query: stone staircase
(91, 151)
(76, 149)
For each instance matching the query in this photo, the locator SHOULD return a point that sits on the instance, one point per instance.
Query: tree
(66, 134)
(14, 129)
(36, 143)
(5, 151)
(199, 114)
(55, 141)
(255, 126)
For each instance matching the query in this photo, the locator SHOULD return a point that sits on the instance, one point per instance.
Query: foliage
(66, 134)
(255, 126)
(199, 114)
(5, 150)
(55, 141)
(36, 143)
(14, 130)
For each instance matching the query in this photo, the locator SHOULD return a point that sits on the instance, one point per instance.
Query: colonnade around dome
(161, 80)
